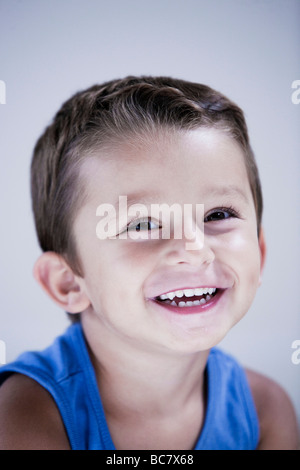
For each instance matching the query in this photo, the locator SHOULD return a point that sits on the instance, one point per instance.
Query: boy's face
(124, 276)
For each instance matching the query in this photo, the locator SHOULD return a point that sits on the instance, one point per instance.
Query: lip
(197, 309)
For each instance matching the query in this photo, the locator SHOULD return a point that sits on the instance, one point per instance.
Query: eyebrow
(229, 191)
(144, 197)
(147, 197)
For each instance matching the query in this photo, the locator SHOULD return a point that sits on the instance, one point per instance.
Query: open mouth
(186, 298)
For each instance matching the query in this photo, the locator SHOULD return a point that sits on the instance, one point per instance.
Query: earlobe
(57, 279)
(263, 252)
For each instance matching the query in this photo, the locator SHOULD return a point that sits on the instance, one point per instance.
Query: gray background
(248, 49)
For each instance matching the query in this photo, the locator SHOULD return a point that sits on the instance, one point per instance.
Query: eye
(142, 225)
(220, 213)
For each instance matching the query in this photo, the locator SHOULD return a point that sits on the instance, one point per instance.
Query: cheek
(240, 251)
(115, 273)
(137, 259)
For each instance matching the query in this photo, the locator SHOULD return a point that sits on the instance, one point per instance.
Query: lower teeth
(189, 303)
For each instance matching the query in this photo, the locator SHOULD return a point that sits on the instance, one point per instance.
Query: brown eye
(220, 214)
(142, 225)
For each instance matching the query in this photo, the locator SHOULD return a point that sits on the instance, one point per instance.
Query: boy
(138, 368)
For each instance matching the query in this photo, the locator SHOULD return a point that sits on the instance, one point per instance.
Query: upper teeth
(188, 293)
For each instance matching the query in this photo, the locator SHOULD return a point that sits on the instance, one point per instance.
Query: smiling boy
(138, 369)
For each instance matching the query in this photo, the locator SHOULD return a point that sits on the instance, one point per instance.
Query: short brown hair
(92, 117)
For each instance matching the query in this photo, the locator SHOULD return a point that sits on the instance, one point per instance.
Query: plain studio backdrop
(247, 49)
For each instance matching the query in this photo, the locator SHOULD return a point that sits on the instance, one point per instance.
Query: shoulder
(29, 418)
(277, 419)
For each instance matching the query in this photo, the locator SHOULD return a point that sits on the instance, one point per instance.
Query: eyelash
(232, 213)
(140, 221)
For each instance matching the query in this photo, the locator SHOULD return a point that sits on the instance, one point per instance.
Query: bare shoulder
(277, 418)
(29, 418)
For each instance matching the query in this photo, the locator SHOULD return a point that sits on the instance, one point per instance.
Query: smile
(186, 298)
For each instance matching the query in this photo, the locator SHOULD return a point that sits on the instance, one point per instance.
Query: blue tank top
(66, 371)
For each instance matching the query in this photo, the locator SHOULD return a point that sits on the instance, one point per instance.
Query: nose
(193, 247)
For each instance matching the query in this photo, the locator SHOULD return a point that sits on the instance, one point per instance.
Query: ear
(58, 280)
(263, 252)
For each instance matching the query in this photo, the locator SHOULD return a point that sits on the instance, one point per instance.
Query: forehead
(170, 166)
